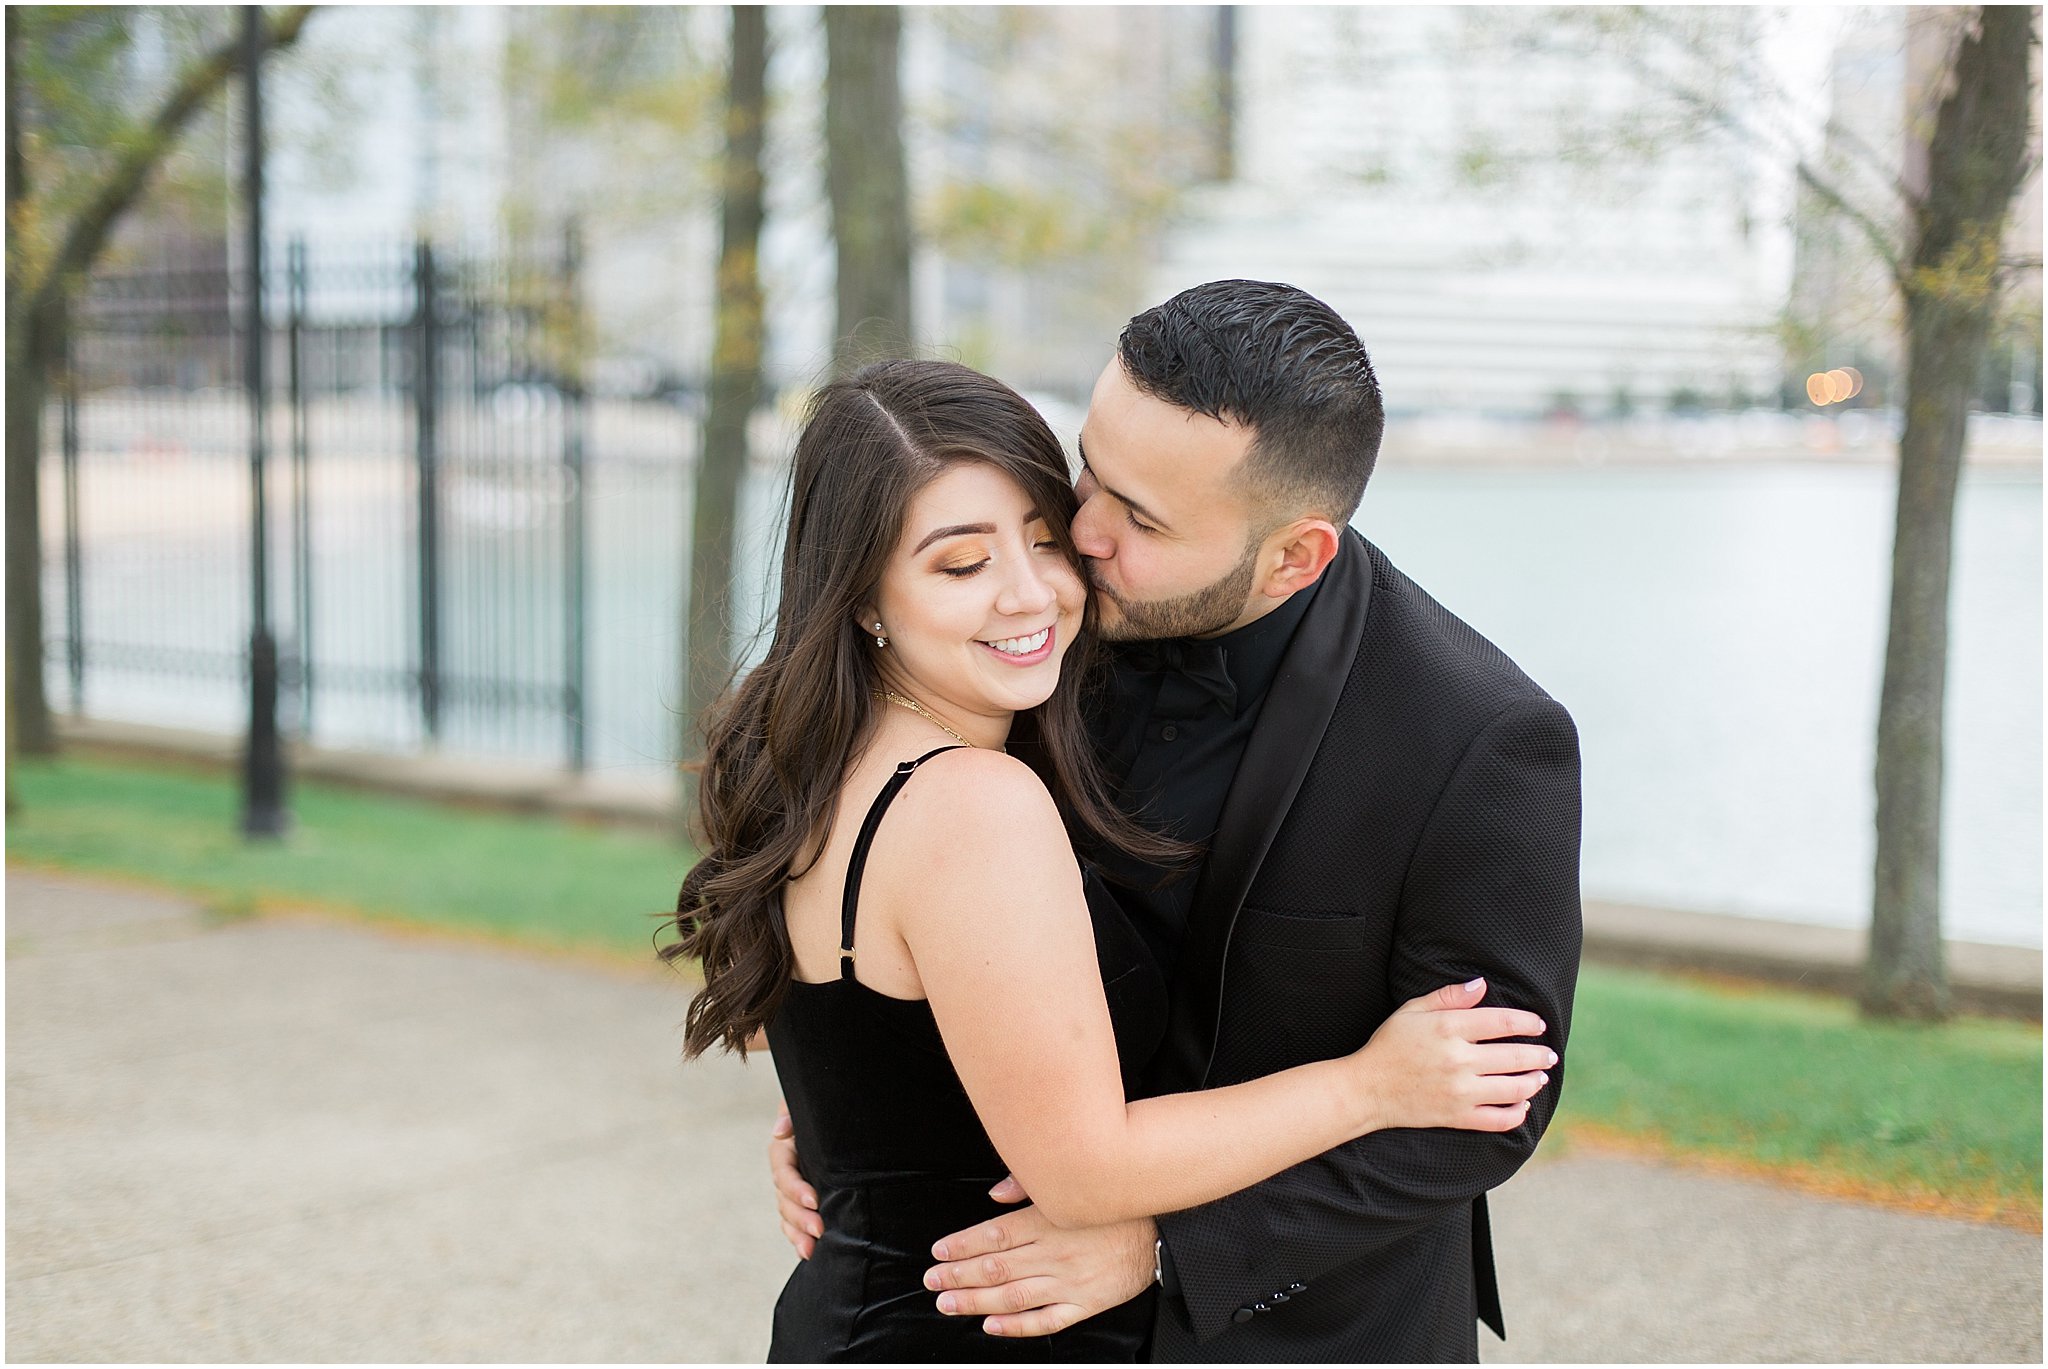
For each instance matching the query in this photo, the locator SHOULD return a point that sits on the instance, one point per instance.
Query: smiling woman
(985, 638)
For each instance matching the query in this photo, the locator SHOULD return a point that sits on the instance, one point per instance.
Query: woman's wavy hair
(779, 745)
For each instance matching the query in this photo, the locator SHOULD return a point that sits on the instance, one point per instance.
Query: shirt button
(1168, 732)
(1242, 1314)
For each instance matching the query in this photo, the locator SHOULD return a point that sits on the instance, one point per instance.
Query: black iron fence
(451, 499)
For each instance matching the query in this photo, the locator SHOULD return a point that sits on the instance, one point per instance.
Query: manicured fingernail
(931, 1279)
(1473, 984)
(1542, 1079)
(947, 1302)
(994, 1326)
(1553, 1057)
(811, 1201)
(816, 1229)
(939, 1251)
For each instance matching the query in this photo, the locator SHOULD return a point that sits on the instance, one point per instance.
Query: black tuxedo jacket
(1406, 815)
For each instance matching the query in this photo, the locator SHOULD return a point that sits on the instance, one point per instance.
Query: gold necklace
(915, 707)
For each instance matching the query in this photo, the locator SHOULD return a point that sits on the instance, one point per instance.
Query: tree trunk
(28, 711)
(1976, 160)
(28, 708)
(735, 387)
(869, 185)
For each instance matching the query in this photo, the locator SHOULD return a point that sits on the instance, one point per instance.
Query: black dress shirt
(1172, 726)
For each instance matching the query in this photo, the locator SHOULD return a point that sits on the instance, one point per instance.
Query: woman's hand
(1435, 1063)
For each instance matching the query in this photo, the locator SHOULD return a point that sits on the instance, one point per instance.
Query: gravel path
(290, 1139)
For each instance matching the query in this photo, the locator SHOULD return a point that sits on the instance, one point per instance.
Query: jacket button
(1297, 1288)
(1242, 1314)
(1278, 1297)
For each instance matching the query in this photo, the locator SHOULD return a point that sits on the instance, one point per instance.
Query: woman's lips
(1043, 653)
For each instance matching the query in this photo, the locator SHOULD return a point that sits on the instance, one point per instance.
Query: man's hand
(1031, 1278)
(795, 1200)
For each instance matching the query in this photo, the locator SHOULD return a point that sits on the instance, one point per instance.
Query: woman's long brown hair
(779, 746)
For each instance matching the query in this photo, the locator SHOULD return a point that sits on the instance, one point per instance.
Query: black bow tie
(1195, 676)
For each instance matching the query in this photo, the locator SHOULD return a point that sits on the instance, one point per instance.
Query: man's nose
(1089, 524)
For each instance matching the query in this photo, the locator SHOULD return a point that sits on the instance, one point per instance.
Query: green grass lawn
(1787, 1083)
(534, 879)
(1793, 1082)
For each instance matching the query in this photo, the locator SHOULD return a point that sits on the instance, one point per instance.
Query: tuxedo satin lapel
(1291, 724)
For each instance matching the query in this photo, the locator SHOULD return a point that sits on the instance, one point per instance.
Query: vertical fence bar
(506, 610)
(488, 586)
(575, 549)
(302, 495)
(476, 284)
(426, 407)
(74, 568)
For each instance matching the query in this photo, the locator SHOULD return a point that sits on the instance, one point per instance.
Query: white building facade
(1406, 166)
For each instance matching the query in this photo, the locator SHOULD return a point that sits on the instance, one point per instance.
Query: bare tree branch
(1874, 232)
(91, 227)
(1874, 162)
(1851, 141)
(1717, 111)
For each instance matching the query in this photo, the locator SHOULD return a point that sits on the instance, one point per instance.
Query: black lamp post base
(263, 810)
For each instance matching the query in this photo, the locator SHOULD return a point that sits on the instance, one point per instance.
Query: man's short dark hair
(1281, 362)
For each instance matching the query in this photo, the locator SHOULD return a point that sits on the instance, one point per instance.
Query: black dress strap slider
(857, 864)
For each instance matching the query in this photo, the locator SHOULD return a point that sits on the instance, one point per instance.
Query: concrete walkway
(303, 1140)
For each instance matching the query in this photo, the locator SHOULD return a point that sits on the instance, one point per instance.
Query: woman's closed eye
(962, 572)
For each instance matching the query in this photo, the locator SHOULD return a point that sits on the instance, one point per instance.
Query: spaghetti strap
(858, 863)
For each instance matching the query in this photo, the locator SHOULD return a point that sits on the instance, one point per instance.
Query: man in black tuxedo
(1388, 803)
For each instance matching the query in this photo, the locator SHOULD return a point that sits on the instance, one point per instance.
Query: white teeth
(1023, 646)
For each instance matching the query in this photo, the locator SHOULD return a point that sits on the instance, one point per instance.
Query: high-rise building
(390, 122)
(1492, 215)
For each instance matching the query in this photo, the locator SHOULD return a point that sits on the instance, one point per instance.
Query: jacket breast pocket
(1299, 988)
(1299, 931)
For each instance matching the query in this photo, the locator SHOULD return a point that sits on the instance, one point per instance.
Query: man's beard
(1210, 609)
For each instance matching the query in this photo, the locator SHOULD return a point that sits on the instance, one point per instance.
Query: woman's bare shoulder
(979, 854)
(976, 786)
(976, 813)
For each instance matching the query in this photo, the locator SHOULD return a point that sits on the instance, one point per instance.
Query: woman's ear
(869, 620)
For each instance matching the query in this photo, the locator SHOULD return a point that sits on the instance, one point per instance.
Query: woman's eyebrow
(957, 530)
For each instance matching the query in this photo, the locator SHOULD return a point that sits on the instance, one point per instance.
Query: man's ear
(1297, 554)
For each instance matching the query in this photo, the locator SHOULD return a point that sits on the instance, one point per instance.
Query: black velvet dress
(887, 1136)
